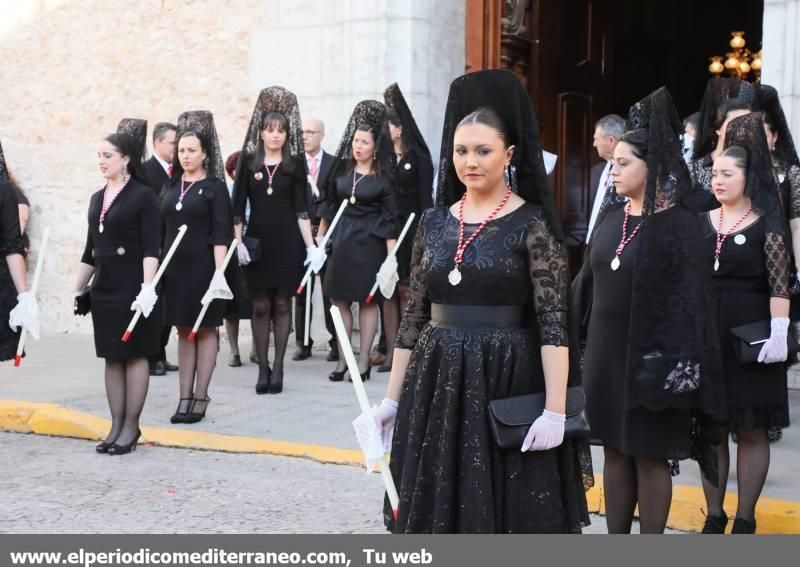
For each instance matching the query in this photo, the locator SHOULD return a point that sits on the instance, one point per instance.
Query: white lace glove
(146, 300)
(242, 254)
(315, 256)
(217, 289)
(25, 314)
(776, 349)
(374, 432)
(387, 276)
(546, 432)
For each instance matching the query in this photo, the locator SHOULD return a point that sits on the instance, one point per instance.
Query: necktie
(169, 170)
(314, 169)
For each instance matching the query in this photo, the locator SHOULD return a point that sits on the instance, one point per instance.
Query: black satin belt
(469, 317)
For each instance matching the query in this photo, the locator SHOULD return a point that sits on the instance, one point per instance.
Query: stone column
(781, 48)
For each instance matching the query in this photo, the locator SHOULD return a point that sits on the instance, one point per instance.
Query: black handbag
(749, 339)
(511, 418)
(83, 303)
(253, 246)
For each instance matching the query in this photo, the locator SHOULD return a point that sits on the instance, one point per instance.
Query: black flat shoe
(169, 367)
(302, 353)
(117, 449)
(333, 355)
(742, 526)
(385, 368)
(264, 374)
(276, 381)
(235, 361)
(180, 416)
(715, 524)
(337, 376)
(194, 416)
(158, 369)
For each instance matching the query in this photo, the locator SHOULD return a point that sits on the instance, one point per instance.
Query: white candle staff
(202, 314)
(395, 248)
(322, 244)
(363, 401)
(34, 287)
(135, 319)
(307, 316)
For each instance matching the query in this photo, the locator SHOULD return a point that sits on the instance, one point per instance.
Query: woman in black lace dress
(746, 241)
(412, 168)
(368, 227)
(484, 322)
(649, 359)
(271, 176)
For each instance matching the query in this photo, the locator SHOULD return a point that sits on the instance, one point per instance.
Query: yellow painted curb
(686, 514)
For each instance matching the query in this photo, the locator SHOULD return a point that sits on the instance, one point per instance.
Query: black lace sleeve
(418, 311)
(793, 178)
(776, 257)
(549, 274)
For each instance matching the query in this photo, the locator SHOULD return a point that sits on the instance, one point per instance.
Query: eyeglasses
(311, 132)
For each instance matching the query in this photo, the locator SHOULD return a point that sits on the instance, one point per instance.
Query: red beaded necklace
(721, 238)
(455, 276)
(107, 202)
(625, 240)
(184, 191)
(270, 175)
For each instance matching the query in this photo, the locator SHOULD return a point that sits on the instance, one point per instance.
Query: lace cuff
(776, 258)
(549, 273)
(418, 311)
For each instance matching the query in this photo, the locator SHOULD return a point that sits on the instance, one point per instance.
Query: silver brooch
(120, 251)
(407, 166)
(740, 239)
(259, 176)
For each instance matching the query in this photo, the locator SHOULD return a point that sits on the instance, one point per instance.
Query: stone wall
(781, 47)
(70, 69)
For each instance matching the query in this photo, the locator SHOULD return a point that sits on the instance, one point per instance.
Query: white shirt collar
(164, 164)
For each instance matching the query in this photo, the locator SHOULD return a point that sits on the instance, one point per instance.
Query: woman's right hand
(242, 254)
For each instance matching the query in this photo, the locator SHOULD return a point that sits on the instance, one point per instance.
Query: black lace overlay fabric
(790, 184)
(450, 475)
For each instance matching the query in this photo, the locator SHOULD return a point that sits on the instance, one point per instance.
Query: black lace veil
(4, 176)
(136, 128)
(201, 122)
(283, 101)
(718, 90)
(412, 137)
(501, 91)
(770, 104)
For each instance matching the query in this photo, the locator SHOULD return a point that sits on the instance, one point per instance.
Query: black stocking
(715, 495)
(347, 318)
(262, 313)
(232, 330)
(137, 381)
(619, 487)
(207, 343)
(654, 490)
(752, 465)
(391, 324)
(282, 313)
(368, 326)
(115, 392)
(187, 368)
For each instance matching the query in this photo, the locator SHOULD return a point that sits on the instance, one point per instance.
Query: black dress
(206, 211)
(132, 232)
(757, 393)
(11, 242)
(636, 432)
(359, 240)
(414, 180)
(450, 475)
(273, 220)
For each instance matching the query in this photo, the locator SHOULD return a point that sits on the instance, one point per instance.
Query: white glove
(146, 300)
(217, 289)
(242, 254)
(387, 276)
(25, 314)
(374, 432)
(546, 432)
(315, 256)
(776, 349)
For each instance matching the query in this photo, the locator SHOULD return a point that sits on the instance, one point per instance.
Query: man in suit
(158, 169)
(159, 166)
(319, 164)
(607, 132)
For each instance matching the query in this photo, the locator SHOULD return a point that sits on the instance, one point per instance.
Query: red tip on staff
(17, 360)
(369, 298)
(192, 335)
(300, 289)
(394, 513)
(126, 336)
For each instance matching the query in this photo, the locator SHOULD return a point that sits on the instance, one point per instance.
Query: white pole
(34, 288)
(231, 250)
(395, 248)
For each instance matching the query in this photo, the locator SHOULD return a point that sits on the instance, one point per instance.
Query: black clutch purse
(511, 418)
(253, 246)
(83, 303)
(749, 339)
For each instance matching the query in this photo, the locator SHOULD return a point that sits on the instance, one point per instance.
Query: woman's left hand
(776, 349)
(546, 432)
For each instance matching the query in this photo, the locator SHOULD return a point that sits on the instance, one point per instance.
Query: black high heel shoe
(364, 375)
(276, 381)
(742, 526)
(715, 524)
(117, 449)
(264, 377)
(337, 376)
(103, 447)
(195, 416)
(180, 416)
